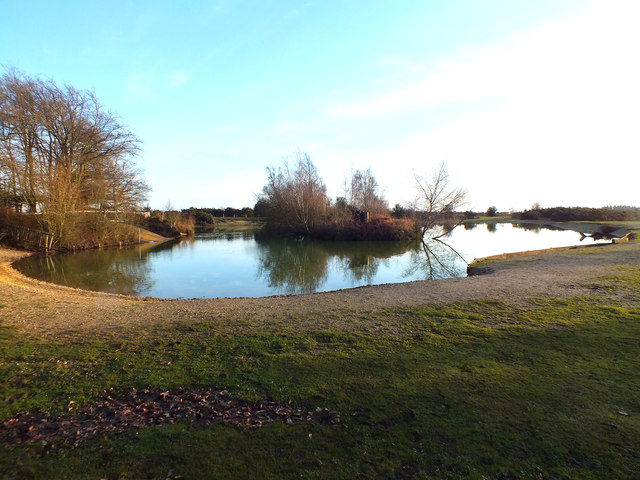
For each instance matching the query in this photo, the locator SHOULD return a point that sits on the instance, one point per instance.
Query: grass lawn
(478, 389)
(235, 224)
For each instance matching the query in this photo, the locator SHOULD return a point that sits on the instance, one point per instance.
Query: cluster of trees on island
(295, 203)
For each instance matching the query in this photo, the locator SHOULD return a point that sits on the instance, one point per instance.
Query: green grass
(625, 280)
(240, 219)
(478, 389)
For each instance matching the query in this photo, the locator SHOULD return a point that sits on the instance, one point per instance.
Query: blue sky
(526, 101)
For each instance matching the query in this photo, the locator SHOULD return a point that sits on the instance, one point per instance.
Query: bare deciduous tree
(61, 153)
(437, 200)
(297, 198)
(364, 193)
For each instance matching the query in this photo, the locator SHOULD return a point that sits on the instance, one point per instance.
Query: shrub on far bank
(81, 230)
(202, 218)
(170, 224)
(378, 229)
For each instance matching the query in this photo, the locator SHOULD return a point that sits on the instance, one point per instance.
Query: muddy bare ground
(42, 309)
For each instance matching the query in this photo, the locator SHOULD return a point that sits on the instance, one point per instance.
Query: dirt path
(42, 309)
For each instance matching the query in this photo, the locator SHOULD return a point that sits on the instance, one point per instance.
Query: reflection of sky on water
(235, 265)
(482, 242)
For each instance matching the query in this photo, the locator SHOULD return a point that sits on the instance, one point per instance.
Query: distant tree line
(565, 214)
(402, 211)
(62, 157)
(204, 214)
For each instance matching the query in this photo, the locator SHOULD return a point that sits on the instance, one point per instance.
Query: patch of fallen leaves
(143, 408)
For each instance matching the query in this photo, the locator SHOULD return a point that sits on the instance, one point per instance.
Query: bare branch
(437, 201)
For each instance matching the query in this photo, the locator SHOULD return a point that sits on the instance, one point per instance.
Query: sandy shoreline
(42, 309)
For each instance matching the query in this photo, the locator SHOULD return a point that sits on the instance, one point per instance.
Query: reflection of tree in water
(292, 267)
(302, 267)
(360, 268)
(443, 230)
(113, 270)
(529, 227)
(434, 258)
(537, 227)
(492, 227)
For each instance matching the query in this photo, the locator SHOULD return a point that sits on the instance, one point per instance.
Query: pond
(240, 265)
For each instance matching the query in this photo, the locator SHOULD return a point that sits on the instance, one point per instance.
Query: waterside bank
(557, 273)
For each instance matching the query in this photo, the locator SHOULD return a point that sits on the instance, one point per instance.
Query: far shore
(622, 227)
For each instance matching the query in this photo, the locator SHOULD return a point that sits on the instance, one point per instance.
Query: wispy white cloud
(295, 12)
(587, 57)
(559, 102)
(223, 129)
(452, 82)
(138, 88)
(403, 62)
(177, 78)
(283, 128)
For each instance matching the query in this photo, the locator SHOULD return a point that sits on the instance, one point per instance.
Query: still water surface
(239, 265)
